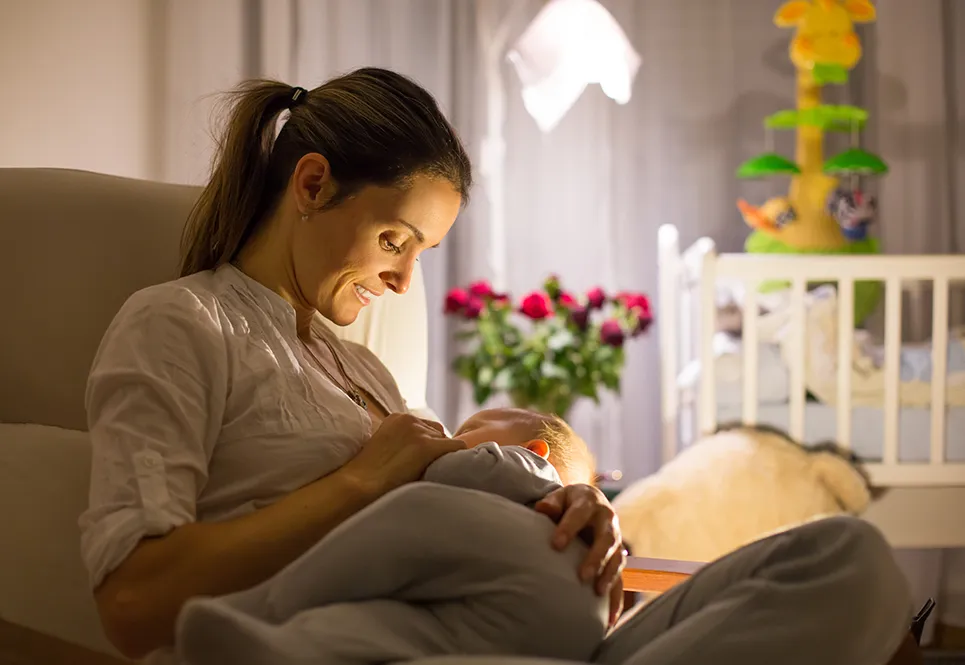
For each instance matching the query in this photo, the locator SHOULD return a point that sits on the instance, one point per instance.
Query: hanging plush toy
(854, 211)
(817, 216)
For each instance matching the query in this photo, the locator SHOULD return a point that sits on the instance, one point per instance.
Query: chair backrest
(74, 245)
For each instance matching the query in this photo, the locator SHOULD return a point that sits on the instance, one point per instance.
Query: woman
(231, 430)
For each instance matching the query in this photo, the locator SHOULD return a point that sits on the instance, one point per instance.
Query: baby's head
(547, 436)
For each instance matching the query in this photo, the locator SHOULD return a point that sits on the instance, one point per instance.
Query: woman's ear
(538, 447)
(312, 181)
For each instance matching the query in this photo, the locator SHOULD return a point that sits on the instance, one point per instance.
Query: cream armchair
(73, 247)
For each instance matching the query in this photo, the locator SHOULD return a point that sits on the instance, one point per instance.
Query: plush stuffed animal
(734, 487)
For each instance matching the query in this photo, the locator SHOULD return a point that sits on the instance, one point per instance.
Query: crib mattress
(867, 429)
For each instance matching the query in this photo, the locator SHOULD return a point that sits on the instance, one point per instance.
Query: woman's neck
(265, 264)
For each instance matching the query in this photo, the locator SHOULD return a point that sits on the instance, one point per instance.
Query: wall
(75, 85)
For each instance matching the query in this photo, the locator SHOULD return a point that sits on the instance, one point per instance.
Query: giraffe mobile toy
(819, 214)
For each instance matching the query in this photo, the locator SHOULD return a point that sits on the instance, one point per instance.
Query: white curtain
(585, 201)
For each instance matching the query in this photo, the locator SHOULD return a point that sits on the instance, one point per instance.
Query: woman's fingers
(616, 601)
(434, 426)
(576, 517)
(612, 570)
(604, 547)
(552, 504)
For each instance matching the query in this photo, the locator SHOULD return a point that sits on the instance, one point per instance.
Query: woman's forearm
(139, 601)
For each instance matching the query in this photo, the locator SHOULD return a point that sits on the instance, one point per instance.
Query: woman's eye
(388, 245)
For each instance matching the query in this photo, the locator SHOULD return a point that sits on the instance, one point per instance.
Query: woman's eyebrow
(416, 232)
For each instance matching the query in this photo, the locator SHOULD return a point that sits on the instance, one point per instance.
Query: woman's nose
(398, 280)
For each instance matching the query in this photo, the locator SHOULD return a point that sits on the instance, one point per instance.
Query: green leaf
(481, 393)
(829, 73)
(767, 164)
(503, 381)
(855, 162)
(612, 381)
(827, 117)
(485, 375)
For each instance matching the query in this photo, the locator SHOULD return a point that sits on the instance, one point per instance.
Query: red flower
(580, 316)
(635, 301)
(643, 321)
(473, 308)
(456, 301)
(536, 305)
(567, 300)
(595, 298)
(481, 289)
(611, 333)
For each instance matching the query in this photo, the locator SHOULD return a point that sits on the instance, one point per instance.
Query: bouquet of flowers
(549, 349)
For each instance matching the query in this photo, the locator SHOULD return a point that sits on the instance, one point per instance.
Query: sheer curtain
(585, 201)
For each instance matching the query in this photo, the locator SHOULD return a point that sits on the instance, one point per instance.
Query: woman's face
(347, 256)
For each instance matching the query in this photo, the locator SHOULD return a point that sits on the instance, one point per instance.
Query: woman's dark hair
(374, 126)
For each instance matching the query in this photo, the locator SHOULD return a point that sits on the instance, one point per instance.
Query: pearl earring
(305, 217)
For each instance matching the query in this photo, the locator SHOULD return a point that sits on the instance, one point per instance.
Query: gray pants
(826, 593)
(476, 578)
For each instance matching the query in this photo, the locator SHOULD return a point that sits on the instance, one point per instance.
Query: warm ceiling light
(570, 44)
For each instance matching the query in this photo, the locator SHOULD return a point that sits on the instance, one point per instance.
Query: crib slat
(749, 334)
(796, 369)
(668, 322)
(845, 348)
(892, 368)
(939, 363)
(708, 319)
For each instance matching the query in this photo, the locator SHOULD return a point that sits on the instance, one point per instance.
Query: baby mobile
(820, 214)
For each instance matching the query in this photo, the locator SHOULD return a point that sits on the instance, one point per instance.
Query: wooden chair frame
(646, 575)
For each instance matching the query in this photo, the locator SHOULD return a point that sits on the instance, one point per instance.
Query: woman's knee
(853, 555)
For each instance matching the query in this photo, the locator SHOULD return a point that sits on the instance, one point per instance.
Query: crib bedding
(867, 428)
(867, 370)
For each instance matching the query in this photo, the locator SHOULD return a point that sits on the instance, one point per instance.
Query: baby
(547, 436)
(459, 564)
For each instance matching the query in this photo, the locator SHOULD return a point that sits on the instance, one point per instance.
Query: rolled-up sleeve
(155, 402)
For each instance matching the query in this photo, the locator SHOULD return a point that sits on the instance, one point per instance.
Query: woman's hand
(399, 452)
(582, 510)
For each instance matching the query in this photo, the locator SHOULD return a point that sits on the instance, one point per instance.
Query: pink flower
(473, 308)
(595, 298)
(536, 305)
(481, 289)
(567, 300)
(611, 333)
(635, 301)
(456, 301)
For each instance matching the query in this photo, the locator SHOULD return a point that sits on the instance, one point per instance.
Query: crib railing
(687, 324)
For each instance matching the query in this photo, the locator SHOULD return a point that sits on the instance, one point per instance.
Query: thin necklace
(349, 389)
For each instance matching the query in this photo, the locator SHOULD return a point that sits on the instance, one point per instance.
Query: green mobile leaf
(825, 74)
(855, 162)
(768, 164)
(827, 117)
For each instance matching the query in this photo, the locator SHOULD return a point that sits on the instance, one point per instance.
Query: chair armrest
(647, 575)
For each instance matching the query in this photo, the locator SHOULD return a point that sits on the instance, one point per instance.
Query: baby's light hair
(567, 450)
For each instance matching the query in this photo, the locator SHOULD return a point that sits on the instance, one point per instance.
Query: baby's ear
(538, 447)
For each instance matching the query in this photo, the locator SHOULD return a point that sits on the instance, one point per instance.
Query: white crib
(925, 504)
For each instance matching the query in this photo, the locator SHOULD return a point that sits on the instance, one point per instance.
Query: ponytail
(230, 205)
